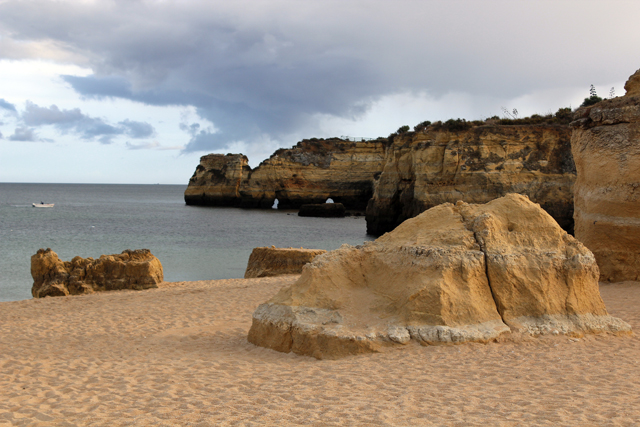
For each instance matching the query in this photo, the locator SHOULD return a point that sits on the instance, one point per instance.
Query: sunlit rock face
(132, 269)
(310, 172)
(453, 274)
(606, 148)
(267, 262)
(429, 167)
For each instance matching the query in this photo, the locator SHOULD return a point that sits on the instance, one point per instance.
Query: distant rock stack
(132, 269)
(606, 150)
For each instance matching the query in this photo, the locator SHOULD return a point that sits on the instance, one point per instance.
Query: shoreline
(178, 355)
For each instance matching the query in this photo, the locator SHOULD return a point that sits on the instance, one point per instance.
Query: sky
(135, 91)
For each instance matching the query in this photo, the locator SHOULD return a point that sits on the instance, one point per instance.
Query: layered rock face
(217, 180)
(455, 273)
(132, 269)
(267, 262)
(429, 167)
(606, 148)
(310, 172)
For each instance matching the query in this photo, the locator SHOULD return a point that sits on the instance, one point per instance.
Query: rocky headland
(453, 274)
(308, 173)
(132, 269)
(606, 148)
(397, 178)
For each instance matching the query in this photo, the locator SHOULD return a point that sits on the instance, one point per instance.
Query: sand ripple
(178, 356)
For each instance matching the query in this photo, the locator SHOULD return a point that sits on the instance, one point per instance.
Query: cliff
(310, 172)
(606, 148)
(475, 164)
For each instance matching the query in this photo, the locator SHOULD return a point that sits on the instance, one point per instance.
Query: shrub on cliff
(592, 99)
(422, 126)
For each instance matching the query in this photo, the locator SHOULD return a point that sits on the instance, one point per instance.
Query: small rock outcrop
(323, 210)
(606, 149)
(475, 164)
(132, 269)
(267, 262)
(455, 273)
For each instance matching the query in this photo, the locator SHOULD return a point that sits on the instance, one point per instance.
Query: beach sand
(178, 356)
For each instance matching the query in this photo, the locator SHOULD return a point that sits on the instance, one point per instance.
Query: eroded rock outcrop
(310, 172)
(434, 165)
(606, 148)
(267, 262)
(132, 269)
(454, 273)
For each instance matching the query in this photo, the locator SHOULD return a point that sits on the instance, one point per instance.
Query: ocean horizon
(192, 243)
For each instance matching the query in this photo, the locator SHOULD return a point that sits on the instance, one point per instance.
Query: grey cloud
(137, 129)
(1, 137)
(23, 133)
(269, 68)
(88, 128)
(7, 105)
(34, 115)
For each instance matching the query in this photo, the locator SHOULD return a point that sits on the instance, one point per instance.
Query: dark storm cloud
(23, 133)
(88, 128)
(270, 68)
(7, 105)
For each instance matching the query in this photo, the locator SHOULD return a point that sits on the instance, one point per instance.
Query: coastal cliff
(476, 164)
(310, 172)
(606, 147)
(399, 177)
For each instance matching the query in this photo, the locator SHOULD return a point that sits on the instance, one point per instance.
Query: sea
(192, 243)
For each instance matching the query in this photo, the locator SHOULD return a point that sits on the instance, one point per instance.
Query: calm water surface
(192, 243)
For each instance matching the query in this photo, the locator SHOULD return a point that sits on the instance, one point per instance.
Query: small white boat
(43, 205)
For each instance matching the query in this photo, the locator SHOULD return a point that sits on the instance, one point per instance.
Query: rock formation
(454, 273)
(137, 269)
(310, 172)
(400, 177)
(217, 180)
(606, 148)
(326, 210)
(477, 164)
(267, 262)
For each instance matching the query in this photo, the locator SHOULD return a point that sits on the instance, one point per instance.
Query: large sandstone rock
(606, 148)
(137, 269)
(310, 172)
(455, 273)
(267, 262)
(476, 165)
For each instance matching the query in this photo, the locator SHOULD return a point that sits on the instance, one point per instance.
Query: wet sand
(178, 356)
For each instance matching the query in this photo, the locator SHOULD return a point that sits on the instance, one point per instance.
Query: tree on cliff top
(592, 99)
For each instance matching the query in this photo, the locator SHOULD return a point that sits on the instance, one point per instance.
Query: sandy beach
(178, 356)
